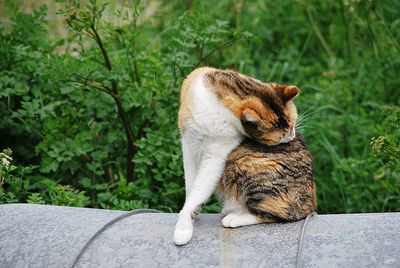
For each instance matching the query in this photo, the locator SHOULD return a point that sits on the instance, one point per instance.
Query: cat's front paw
(183, 229)
(182, 235)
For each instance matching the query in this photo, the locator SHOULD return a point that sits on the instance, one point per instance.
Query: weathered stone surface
(48, 236)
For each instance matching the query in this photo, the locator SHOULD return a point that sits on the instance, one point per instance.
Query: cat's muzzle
(289, 136)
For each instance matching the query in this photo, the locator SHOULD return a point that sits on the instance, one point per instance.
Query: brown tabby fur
(274, 183)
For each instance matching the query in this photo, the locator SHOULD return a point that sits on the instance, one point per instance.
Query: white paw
(234, 220)
(183, 228)
(230, 220)
(182, 235)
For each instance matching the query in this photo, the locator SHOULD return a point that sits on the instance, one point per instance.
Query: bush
(97, 126)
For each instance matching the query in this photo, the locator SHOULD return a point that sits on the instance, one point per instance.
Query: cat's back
(201, 109)
(187, 96)
(285, 152)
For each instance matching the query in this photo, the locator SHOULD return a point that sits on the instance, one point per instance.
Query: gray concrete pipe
(50, 236)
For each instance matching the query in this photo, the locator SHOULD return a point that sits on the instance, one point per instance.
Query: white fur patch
(210, 117)
(249, 117)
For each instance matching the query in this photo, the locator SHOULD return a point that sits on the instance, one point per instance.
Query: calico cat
(219, 109)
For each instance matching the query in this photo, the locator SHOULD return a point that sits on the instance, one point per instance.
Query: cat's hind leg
(233, 220)
(190, 151)
(232, 206)
(209, 173)
(235, 215)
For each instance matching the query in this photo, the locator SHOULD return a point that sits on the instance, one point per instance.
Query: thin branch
(132, 75)
(131, 147)
(238, 6)
(102, 48)
(215, 50)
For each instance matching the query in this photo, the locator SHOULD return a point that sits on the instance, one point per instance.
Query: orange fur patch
(255, 104)
(277, 205)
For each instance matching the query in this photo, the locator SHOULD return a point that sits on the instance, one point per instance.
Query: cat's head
(270, 117)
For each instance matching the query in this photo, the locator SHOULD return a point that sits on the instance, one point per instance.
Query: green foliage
(97, 126)
(22, 184)
(68, 196)
(35, 198)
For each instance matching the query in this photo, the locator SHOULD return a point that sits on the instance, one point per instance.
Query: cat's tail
(270, 208)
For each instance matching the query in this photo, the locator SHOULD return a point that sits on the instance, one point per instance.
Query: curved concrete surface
(50, 236)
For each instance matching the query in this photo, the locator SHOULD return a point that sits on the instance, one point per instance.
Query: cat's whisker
(302, 127)
(301, 124)
(304, 117)
(301, 121)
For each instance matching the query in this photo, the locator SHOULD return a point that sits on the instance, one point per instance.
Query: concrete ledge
(49, 236)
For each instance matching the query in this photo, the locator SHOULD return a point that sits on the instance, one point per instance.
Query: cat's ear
(287, 93)
(251, 116)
